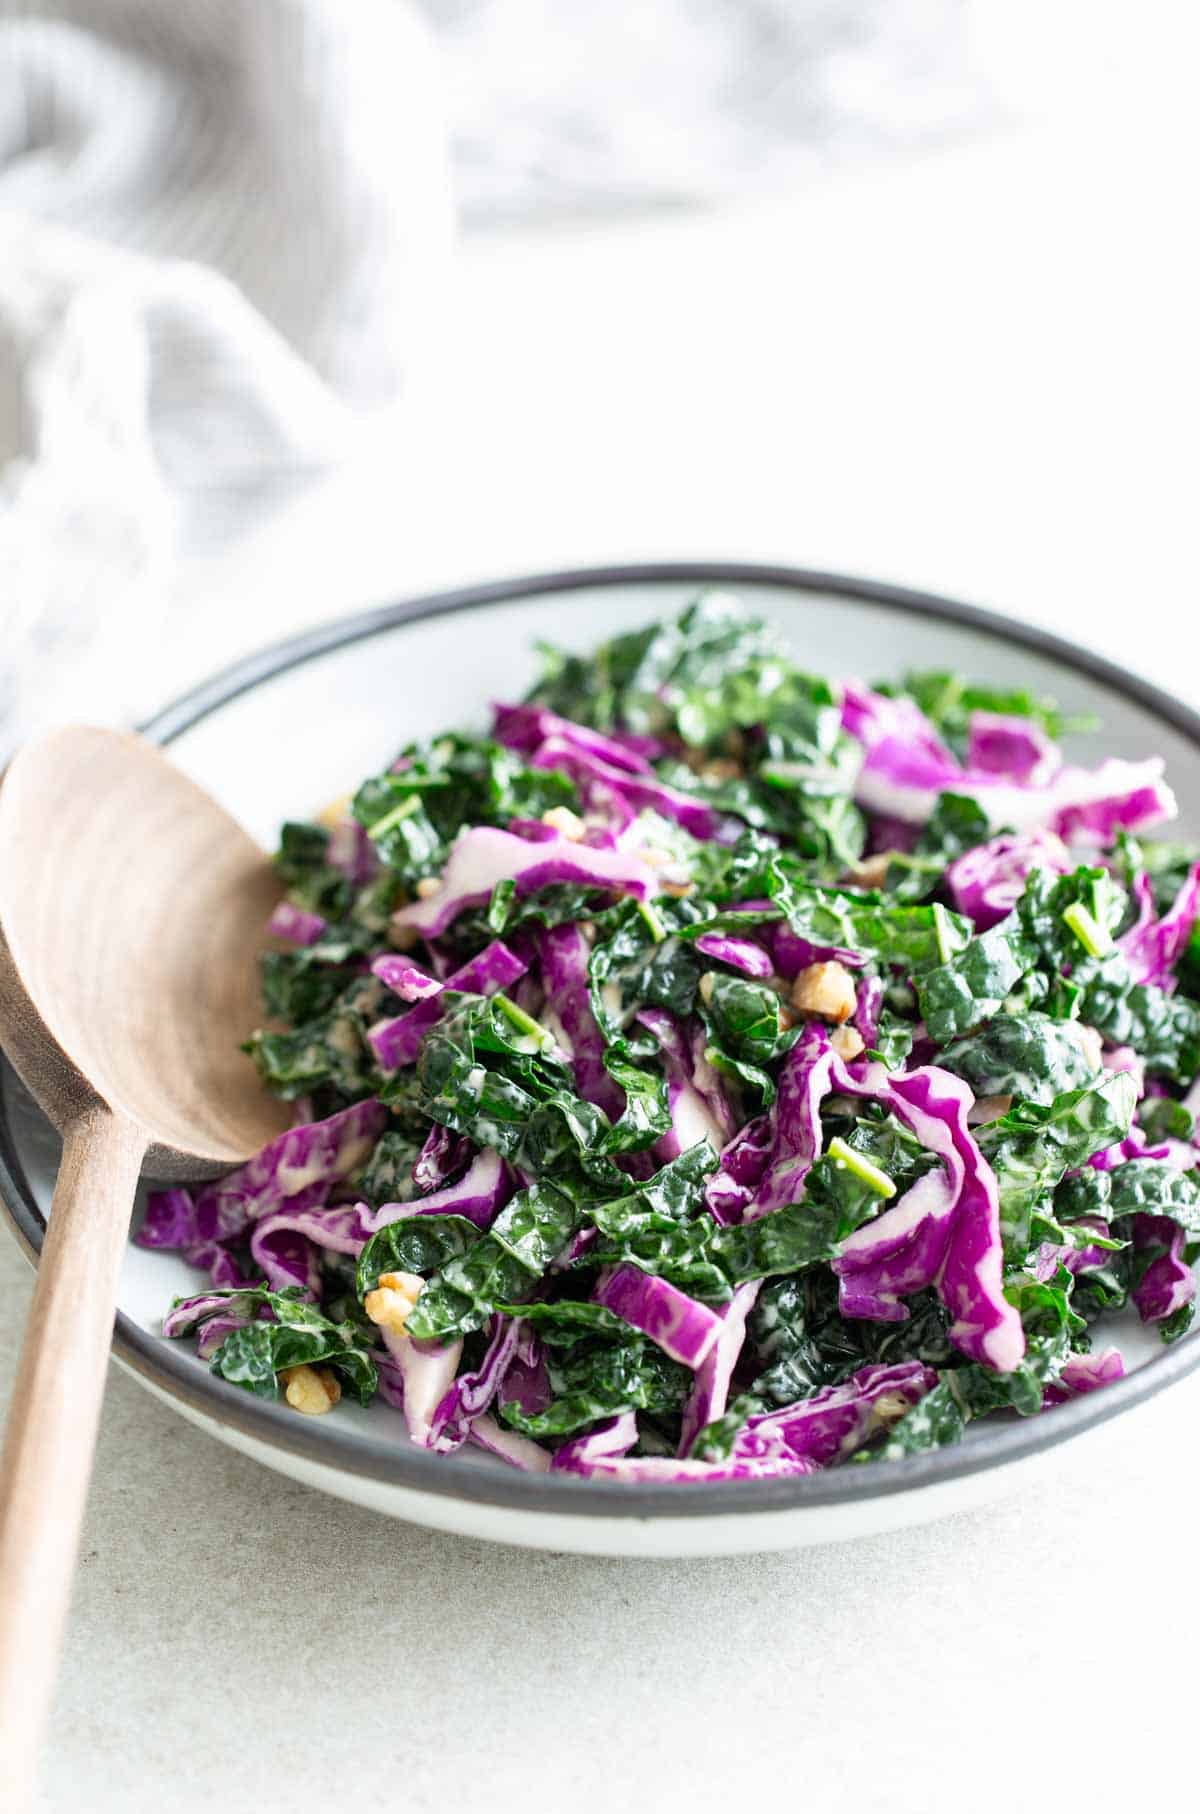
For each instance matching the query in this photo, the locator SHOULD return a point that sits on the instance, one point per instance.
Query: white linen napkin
(223, 230)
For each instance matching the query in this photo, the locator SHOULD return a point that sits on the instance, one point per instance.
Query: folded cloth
(223, 232)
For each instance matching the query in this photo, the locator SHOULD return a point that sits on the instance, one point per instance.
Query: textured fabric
(222, 234)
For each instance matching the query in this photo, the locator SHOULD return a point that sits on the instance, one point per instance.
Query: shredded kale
(659, 1107)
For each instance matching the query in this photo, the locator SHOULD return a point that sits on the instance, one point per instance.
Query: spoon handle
(52, 1422)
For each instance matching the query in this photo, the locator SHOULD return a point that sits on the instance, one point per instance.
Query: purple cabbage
(739, 1174)
(681, 1326)
(696, 1098)
(285, 1257)
(874, 719)
(1124, 1058)
(606, 772)
(606, 1442)
(1153, 945)
(1134, 1146)
(170, 1220)
(1168, 1282)
(887, 836)
(987, 882)
(709, 1084)
(710, 1392)
(837, 1420)
(185, 1315)
(583, 1238)
(397, 1042)
(1094, 805)
(391, 1380)
(404, 978)
(1085, 1373)
(1050, 1256)
(484, 855)
(793, 953)
(318, 1153)
(295, 925)
(907, 767)
(602, 1454)
(445, 1155)
(351, 852)
(742, 954)
(804, 1083)
(969, 1277)
(564, 952)
(472, 1393)
(284, 1244)
(214, 1331)
(527, 1382)
(218, 1262)
(525, 727)
(880, 1265)
(479, 1195)
(603, 785)
(670, 1470)
(506, 1445)
(944, 1231)
(1017, 748)
(868, 1007)
(417, 1380)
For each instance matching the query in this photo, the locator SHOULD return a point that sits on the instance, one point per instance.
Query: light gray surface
(239, 1642)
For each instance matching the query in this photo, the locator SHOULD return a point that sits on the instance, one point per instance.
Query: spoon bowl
(132, 912)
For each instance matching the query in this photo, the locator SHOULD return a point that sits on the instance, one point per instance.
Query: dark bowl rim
(352, 1448)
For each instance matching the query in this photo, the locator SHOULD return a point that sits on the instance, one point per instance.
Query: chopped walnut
(888, 1408)
(568, 824)
(336, 811)
(311, 1390)
(391, 1305)
(848, 1043)
(987, 1108)
(872, 871)
(826, 990)
(675, 879)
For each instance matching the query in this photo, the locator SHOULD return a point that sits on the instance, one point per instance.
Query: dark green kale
(302, 985)
(1025, 1055)
(1031, 1146)
(420, 1244)
(956, 825)
(298, 1335)
(302, 863)
(502, 1266)
(597, 1379)
(413, 812)
(948, 702)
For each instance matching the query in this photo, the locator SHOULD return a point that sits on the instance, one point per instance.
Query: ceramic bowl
(299, 724)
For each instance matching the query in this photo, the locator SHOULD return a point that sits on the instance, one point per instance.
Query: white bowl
(300, 724)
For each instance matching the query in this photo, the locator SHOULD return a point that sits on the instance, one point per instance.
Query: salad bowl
(285, 730)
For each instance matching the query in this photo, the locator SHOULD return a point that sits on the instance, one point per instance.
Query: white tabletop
(971, 373)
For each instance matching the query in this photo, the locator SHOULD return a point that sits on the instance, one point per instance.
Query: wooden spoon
(132, 910)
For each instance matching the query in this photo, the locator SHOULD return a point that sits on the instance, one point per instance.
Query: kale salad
(716, 1072)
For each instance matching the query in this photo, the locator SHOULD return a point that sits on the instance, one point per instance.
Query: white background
(972, 371)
